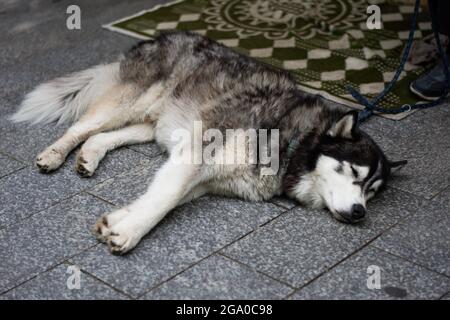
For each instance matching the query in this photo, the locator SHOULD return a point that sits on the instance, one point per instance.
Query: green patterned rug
(324, 43)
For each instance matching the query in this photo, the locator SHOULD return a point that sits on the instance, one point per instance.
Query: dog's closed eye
(354, 172)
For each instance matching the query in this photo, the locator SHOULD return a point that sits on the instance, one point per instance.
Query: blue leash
(371, 106)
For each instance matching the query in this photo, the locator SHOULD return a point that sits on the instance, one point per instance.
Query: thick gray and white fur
(168, 83)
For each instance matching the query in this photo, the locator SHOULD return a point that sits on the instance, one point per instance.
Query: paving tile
(399, 279)
(47, 238)
(218, 277)
(423, 238)
(186, 235)
(284, 202)
(425, 176)
(303, 243)
(438, 113)
(7, 104)
(417, 124)
(27, 191)
(422, 139)
(8, 165)
(127, 186)
(25, 142)
(150, 149)
(57, 284)
(390, 206)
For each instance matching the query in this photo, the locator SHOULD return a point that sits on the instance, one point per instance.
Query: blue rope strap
(371, 106)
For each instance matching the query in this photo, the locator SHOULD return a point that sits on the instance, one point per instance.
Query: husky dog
(178, 78)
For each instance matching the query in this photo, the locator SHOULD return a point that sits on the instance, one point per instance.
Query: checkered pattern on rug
(326, 44)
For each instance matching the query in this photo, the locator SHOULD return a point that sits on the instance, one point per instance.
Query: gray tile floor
(213, 247)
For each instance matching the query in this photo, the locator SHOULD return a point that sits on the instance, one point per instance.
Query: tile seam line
(14, 171)
(281, 206)
(159, 153)
(100, 280)
(69, 261)
(21, 221)
(30, 279)
(411, 193)
(100, 198)
(333, 266)
(7, 154)
(410, 261)
(257, 271)
(448, 292)
(439, 193)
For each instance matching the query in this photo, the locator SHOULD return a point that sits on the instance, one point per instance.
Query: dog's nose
(358, 211)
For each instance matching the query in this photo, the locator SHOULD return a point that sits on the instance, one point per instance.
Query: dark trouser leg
(440, 9)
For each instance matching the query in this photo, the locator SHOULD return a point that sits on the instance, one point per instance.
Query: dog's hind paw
(49, 160)
(84, 167)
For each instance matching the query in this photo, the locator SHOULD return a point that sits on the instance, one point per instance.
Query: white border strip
(110, 26)
(352, 104)
(126, 32)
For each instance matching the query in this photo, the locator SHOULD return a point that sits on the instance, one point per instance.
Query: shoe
(431, 85)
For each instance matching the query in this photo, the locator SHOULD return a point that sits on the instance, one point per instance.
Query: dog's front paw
(121, 230)
(103, 227)
(121, 242)
(49, 160)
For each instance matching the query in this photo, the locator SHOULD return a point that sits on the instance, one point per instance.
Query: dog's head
(339, 168)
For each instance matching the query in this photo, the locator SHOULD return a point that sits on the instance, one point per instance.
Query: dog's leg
(104, 115)
(197, 192)
(95, 148)
(104, 225)
(171, 184)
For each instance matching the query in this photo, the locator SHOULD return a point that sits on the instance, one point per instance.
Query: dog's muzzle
(356, 214)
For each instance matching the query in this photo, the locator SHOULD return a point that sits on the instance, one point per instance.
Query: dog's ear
(345, 127)
(395, 164)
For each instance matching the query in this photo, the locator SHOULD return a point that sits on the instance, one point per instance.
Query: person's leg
(440, 10)
(432, 84)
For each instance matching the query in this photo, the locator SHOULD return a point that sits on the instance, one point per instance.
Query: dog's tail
(65, 99)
